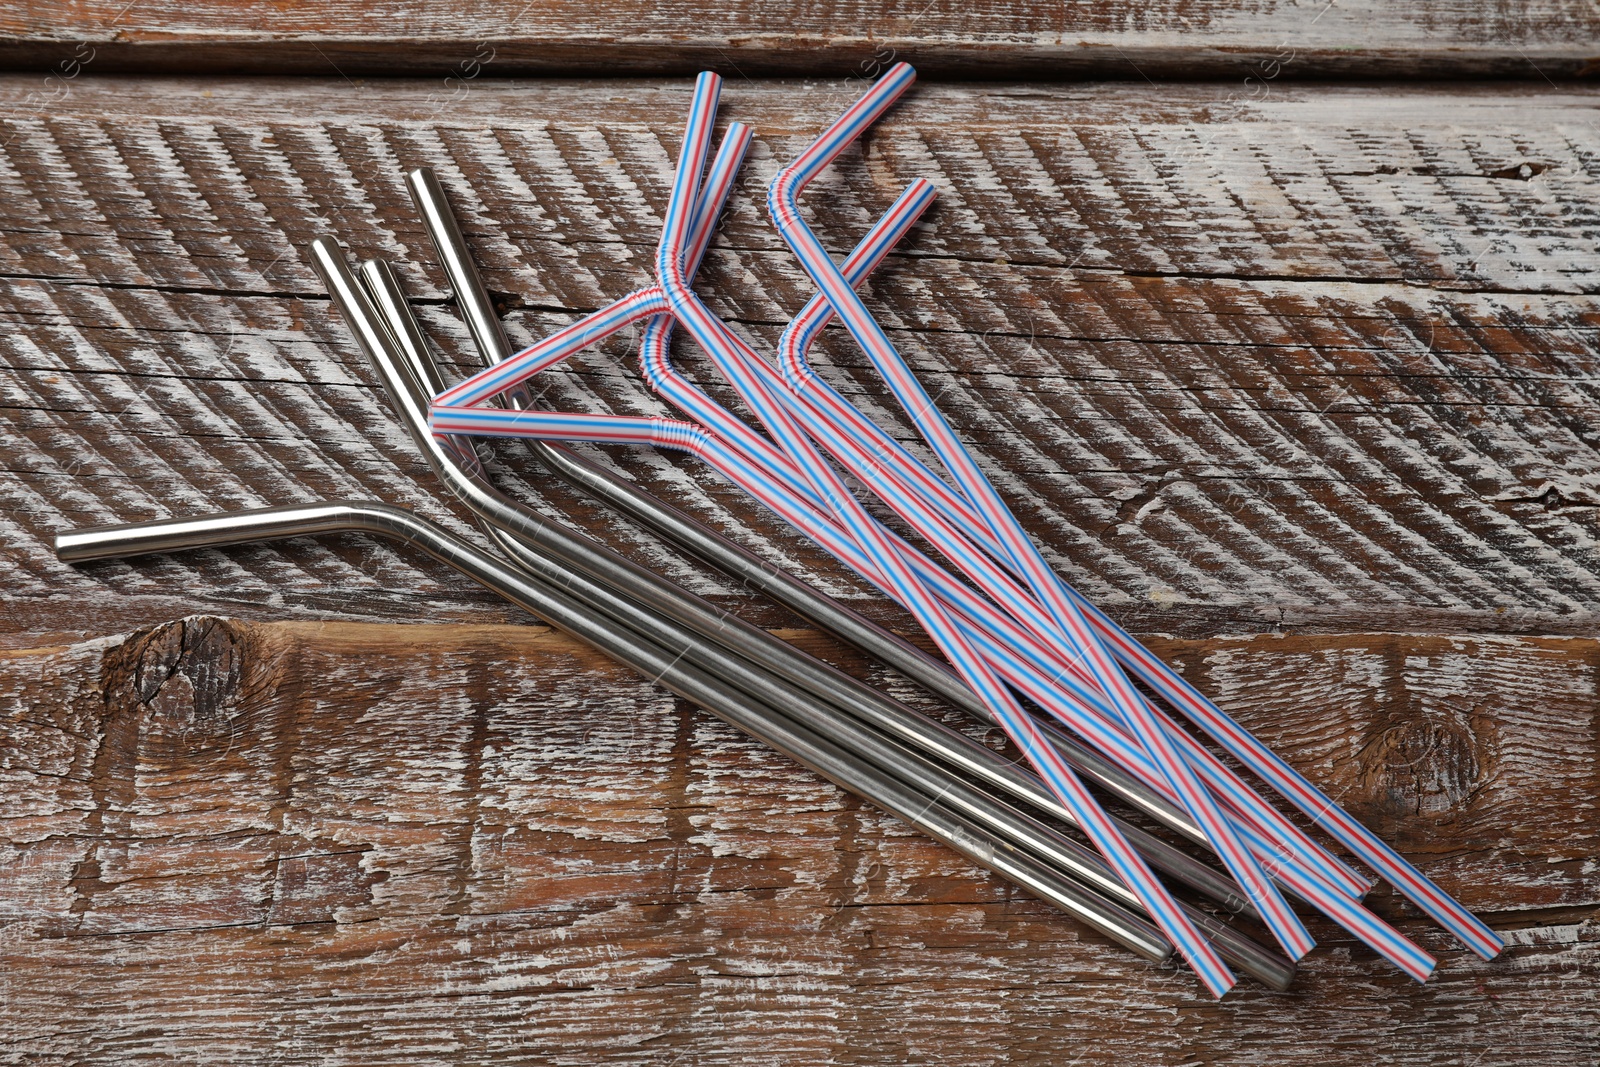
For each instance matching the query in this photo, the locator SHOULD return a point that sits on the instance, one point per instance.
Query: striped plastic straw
(710, 334)
(662, 436)
(1008, 538)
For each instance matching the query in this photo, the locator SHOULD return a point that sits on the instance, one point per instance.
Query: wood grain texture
(1304, 361)
(1322, 362)
(353, 843)
(1001, 38)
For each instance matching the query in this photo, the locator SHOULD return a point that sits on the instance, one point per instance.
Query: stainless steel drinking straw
(671, 666)
(393, 343)
(922, 743)
(559, 596)
(700, 541)
(663, 664)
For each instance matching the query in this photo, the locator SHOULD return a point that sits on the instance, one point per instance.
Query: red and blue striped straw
(664, 436)
(713, 336)
(648, 303)
(656, 437)
(1202, 806)
(657, 333)
(870, 446)
(1087, 627)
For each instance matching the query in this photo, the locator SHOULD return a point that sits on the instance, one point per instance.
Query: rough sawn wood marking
(1297, 368)
(1327, 361)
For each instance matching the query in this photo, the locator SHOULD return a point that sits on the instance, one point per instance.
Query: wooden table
(1298, 377)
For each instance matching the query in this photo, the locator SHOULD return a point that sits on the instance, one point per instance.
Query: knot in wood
(182, 681)
(1431, 764)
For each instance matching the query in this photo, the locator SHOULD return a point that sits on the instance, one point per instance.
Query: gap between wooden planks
(331, 842)
(1133, 39)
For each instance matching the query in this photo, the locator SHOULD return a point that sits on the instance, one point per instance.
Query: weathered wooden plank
(1325, 362)
(1368, 38)
(333, 842)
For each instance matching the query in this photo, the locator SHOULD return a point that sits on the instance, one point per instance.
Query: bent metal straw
(733, 559)
(1419, 962)
(663, 664)
(927, 743)
(1065, 862)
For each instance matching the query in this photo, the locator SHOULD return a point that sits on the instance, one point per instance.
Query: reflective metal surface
(801, 670)
(662, 663)
(805, 688)
(710, 547)
(589, 605)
